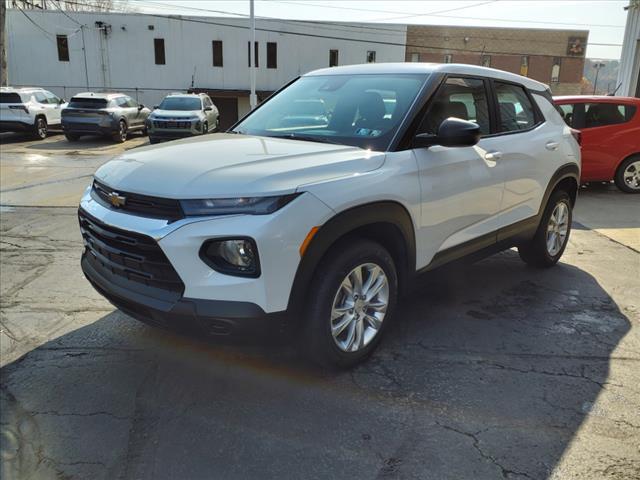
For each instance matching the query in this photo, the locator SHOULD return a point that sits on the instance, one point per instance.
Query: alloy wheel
(631, 175)
(41, 128)
(123, 131)
(359, 307)
(557, 228)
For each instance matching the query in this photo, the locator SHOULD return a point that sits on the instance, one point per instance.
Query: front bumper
(204, 300)
(188, 315)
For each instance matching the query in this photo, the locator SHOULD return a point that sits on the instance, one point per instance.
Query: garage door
(228, 108)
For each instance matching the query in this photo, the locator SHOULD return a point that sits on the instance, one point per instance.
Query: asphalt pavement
(493, 370)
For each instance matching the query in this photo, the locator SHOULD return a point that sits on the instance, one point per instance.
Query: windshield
(180, 103)
(359, 110)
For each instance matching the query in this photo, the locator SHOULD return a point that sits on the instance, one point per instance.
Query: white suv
(32, 110)
(323, 226)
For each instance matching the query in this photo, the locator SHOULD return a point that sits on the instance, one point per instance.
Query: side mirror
(62, 101)
(156, 106)
(140, 107)
(208, 109)
(453, 132)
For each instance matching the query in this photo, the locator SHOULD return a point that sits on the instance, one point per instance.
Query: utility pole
(4, 77)
(597, 66)
(253, 100)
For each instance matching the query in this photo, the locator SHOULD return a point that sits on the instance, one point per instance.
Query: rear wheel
(72, 137)
(40, 128)
(628, 175)
(121, 135)
(552, 236)
(351, 302)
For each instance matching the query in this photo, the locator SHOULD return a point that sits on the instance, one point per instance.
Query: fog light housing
(232, 256)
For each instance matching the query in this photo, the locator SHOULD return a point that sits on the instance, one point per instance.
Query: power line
(443, 16)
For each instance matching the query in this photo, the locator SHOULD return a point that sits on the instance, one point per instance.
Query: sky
(605, 19)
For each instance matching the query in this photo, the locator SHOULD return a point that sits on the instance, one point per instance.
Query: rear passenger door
(461, 188)
(528, 151)
(55, 108)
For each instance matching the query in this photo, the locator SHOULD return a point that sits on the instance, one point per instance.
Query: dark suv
(110, 114)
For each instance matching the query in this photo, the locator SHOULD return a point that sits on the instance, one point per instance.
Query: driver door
(461, 187)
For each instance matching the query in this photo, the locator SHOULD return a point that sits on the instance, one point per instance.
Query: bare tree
(75, 5)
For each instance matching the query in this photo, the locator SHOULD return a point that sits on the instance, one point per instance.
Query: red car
(610, 130)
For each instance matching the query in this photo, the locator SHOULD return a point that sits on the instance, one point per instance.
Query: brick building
(554, 57)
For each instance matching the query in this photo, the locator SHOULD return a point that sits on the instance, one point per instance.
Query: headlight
(231, 206)
(236, 256)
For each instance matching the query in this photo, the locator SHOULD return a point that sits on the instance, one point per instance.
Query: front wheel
(552, 236)
(628, 175)
(205, 128)
(40, 128)
(72, 137)
(351, 302)
(121, 135)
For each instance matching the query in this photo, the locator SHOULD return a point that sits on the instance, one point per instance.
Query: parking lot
(494, 370)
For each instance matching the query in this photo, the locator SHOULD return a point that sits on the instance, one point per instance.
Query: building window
(555, 70)
(414, 57)
(255, 50)
(158, 46)
(524, 66)
(217, 53)
(63, 48)
(486, 60)
(448, 58)
(371, 56)
(333, 58)
(272, 55)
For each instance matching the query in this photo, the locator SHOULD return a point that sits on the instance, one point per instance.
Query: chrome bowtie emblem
(117, 200)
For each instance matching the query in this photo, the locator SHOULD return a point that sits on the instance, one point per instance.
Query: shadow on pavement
(489, 373)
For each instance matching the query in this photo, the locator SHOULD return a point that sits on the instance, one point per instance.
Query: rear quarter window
(10, 97)
(90, 103)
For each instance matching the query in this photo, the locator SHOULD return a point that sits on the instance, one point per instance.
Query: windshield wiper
(307, 138)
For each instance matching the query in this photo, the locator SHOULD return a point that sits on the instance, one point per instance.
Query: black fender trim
(349, 222)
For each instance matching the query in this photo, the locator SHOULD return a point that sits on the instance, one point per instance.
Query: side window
(515, 110)
(464, 98)
(566, 111)
(53, 99)
(131, 102)
(207, 102)
(603, 114)
(41, 97)
(122, 102)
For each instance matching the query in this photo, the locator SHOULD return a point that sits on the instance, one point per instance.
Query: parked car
(33, 110)
(110, 114)
(322, 229)
(182, 115)
(610, 129)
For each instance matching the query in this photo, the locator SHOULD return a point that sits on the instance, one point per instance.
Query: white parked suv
(320, 228)
(33, 110)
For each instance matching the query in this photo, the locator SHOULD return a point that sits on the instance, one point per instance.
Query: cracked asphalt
(493, 370)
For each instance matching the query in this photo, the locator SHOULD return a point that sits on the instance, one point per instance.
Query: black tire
(205, 128)
(620, 173)
(72, 137)
(317, 340)
(153, 140)
(121, 135)
(536, 252)
(40, 129)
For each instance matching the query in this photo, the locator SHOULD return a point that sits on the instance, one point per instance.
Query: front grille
(171, 124)
(143, 205)
(136, 261)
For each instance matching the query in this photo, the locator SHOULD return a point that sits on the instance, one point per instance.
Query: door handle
(493, 156)
(552, 145)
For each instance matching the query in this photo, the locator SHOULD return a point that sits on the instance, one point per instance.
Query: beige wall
(506, 47)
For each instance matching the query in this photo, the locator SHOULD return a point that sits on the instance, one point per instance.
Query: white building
(629, 76)
(148, 56)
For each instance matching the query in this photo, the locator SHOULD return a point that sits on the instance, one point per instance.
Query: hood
(232, 165)
(157, 113)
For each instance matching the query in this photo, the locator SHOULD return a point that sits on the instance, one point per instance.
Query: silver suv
(31, 110)
(182, 115)
(110, 114)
